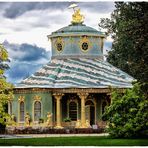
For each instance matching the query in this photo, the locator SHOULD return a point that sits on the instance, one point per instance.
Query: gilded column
(58, 97)
(83, 96)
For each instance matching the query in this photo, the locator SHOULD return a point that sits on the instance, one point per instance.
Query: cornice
(64, 90)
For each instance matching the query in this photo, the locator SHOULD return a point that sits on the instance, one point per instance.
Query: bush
(67, 120)
(127, 115)
(41, 120)
(2, 128)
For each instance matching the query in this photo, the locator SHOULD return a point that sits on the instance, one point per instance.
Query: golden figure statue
(78, 124)
(49, 119)
(88, 124)
(27, 119)
(77, 17)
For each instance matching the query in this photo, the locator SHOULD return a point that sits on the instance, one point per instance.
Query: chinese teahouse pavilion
(74, 85)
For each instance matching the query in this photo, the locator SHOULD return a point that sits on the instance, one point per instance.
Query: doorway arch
(90, 111)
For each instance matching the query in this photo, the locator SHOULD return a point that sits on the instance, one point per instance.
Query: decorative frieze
(66, 90)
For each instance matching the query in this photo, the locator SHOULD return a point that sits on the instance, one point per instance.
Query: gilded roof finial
(77, 17)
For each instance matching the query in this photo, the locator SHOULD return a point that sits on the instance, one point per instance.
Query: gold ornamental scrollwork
(84, 40)
(58, 95)
(21, 99)
(37, 98)
(83, 95)
(59, 44)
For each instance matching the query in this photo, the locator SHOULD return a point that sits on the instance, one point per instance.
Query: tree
(128, 114)
(5, 88)
(128, 28)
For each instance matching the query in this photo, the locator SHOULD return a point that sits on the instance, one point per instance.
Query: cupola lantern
(77, 39)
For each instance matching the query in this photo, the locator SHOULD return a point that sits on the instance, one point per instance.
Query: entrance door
(92, 115)
(90, 111)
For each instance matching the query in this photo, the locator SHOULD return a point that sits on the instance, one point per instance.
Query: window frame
(20, 112)
(68, 104)
(34, 110)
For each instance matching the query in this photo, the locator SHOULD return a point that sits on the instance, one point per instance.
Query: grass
(73, 141)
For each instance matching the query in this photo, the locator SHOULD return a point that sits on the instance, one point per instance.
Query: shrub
(127, 115)
(41, 120)
(67, 120)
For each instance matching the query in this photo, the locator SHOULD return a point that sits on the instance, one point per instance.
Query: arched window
(104, 104)
(37, 110)
(73, 111)
(21, 111)
(89, 102)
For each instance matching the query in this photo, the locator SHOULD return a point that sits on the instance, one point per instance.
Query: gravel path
(48, 135)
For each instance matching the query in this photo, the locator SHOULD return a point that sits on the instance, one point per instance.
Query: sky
(24, 27)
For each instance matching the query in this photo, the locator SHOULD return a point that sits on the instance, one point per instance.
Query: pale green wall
(46, 101)
(72, 47)
(48, 105)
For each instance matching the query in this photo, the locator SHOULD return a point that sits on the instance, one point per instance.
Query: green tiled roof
(78, 73)
(76, 29)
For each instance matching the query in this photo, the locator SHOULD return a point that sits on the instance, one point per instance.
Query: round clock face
(84, 46)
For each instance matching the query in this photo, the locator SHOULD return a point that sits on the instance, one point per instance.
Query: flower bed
(47, 130)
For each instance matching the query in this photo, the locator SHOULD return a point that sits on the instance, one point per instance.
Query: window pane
(37, 111)
(22, 111)
(73, 111)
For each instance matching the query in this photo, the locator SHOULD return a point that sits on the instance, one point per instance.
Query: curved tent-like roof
(78, 73)
(77, 62)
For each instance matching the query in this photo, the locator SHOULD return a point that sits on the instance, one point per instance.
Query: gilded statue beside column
(49, 119)
(27, 119)
(88, 124)
(78, 124)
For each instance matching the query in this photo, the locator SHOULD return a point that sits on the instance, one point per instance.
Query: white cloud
(34, 26)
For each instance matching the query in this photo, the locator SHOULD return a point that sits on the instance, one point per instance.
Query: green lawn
(74, 141)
